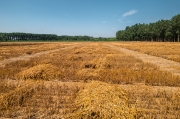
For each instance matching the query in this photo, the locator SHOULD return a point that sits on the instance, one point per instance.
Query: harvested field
(167, 50)
(10, 50)
(85, 80)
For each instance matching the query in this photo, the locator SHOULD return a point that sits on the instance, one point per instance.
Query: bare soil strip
(27, 57)
(164, 64)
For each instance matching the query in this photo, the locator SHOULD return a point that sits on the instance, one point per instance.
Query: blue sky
(81, 17)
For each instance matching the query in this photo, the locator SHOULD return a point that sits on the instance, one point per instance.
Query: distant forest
(47, 37)
(162, 31)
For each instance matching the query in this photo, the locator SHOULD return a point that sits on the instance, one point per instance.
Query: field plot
(86, 80)
(167, 50)
(9, 50)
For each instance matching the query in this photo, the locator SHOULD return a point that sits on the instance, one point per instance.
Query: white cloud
(120, 20)
(114, 28)
(129, 21)
(131, 12)
(103, 22)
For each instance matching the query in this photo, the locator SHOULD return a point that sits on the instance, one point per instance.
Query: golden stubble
(73, 82)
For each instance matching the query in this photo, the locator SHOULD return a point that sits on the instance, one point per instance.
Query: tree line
(83, 38)
(162, 30)
(26, 37)
(16, 36)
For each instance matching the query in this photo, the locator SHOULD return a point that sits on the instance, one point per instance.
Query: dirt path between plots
(27, 57)
(164, 64)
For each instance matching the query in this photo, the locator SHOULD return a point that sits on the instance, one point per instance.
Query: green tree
(176, 25)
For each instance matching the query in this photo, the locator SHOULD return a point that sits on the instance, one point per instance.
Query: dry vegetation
(9, 50)
(40, 72)
(167, 50)
(88, 80)
(103, 101)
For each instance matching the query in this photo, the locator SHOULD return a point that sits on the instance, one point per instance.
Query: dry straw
(43, 71)
(17, 97)
(100, 100)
